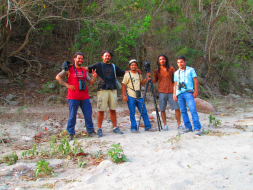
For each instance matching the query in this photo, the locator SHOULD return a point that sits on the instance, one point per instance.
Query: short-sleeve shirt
(106, 74)
(136, 78)
(165, 80)
(73, 79)
(185, 76)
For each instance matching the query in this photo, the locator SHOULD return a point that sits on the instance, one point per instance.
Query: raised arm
(86, 68)
(94, 76)
(146, 79)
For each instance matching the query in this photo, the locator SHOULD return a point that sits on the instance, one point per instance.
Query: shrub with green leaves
(31, 152)
(10, 158)
(213, 121)
(43, 168)
(116, 153)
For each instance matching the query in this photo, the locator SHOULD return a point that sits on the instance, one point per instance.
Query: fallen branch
(28, 61)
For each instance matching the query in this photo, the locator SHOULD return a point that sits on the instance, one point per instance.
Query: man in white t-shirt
(133, 81)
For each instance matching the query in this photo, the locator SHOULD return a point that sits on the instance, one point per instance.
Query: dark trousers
(87, 112)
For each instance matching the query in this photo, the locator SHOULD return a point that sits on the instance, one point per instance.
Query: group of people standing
(178, 88)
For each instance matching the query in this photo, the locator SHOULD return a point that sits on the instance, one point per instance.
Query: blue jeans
(132, 103)
(187, 98)
(87, 112)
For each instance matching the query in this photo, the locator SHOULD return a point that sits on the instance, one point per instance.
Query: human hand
(71, 87)
(148, 75)
(139, 71)
(125, 98)
(94, 74)
(174, 97)
(195, 94)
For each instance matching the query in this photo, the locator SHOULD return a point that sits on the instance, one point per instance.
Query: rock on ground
(203, 106)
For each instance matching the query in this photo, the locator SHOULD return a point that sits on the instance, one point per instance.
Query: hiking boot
(116, 130)
(198, 132)
(134, 131)
(71, 136)
(165, 128)
(187, 130)
(99, 133)
(150, 129)
(92, 134)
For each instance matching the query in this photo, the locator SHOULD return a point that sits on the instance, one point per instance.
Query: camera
(81, 85)
(65, 65)
(138, 93)
(147, 66)
(108, 87)
(181, 85)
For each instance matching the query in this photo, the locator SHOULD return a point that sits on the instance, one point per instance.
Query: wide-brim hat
(131, 61)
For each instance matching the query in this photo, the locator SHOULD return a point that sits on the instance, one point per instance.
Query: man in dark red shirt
(78, 94)
(164, 75)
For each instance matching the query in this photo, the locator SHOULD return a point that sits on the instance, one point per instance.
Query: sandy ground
(220, 159)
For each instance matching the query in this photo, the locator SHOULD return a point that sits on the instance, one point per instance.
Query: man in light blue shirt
(185, 90)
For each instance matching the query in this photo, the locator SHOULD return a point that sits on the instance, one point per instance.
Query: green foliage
(53, 139)
(81, 164)
(116, 153)
(88, 39)
(47, 28)
(175, 140)
(97, 154)
(191, 54)
(43, 168)
(20, 110)
(64, 147)
(10, 158)
(174, 9)
(45, 88)
(31, 152)
(213, 121)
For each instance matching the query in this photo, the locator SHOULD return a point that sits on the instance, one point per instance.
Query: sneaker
(198, 132)
(71, 136)
(92, 134)
(99, 133)
(187, 130)
(134, 131)
(180, 127)
(150, 129)
(165, 128)
(116, 130)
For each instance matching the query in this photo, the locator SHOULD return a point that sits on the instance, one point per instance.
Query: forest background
(216, 37)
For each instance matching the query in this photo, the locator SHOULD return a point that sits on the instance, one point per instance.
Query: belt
(189, 90)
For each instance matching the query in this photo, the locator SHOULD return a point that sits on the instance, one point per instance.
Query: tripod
(144, 97)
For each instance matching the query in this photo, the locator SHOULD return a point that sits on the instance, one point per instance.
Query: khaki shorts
(106, 98)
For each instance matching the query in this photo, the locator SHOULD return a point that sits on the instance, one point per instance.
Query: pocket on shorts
(99, 99)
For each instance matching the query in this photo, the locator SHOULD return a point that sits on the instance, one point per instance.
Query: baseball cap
(131, 61)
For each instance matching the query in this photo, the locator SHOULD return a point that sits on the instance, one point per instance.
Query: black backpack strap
(131, 81)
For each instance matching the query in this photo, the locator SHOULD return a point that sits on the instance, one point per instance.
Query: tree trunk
(4, 39)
